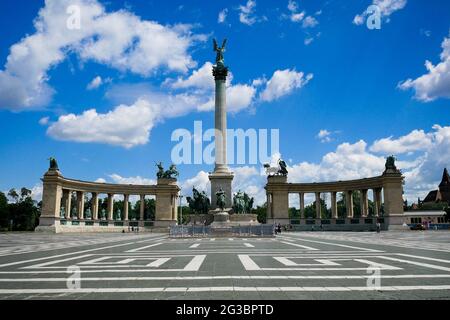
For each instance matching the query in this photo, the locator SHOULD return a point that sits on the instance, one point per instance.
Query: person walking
(378, 227)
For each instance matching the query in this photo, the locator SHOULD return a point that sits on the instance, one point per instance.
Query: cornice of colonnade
(279, 183)
(163, 186)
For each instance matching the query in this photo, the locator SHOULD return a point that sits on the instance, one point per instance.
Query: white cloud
(294, 16)
(417, 140)
(200, 182)
(36, 192)
(325, 136)
(297, 17)
(283, 82)
(292, 6)
(125, 126)
(44, 121)
(309, 22)
(222, 16)
(201, 79)
(436, 83)
(118, 39)
(246, 13)
(308, 41)
(95, 83)
(240, 97)
(138, 180)
(387, 7)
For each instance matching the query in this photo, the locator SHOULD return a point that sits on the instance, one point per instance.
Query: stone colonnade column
(377, 201)
(349, 203)
(318, 206)
(142, 208)
(68, 204)
(110, 206)
(334, 211)
(302, 204)
(94, 205)
(364, 203)
(126, 199)
(80, 204)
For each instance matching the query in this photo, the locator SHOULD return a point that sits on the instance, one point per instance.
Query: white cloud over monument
(120, 40)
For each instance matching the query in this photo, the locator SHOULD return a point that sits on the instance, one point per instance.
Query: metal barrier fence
(205, 231)
(262, 230)
(189, 231)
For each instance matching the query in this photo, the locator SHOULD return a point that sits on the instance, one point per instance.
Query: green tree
(14, 195)
(24, 213)
(4, 212)
(261, 212)
(186, 211)
(149, 209)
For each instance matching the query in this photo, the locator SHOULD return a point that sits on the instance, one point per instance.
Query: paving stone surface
(298, 265)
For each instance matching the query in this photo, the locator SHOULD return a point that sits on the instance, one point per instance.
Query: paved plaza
(303, 265)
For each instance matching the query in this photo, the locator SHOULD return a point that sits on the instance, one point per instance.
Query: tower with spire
(443, 193)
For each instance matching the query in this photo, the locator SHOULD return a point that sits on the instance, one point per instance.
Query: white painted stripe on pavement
(248, 263)
(221, 289)
(249, 245)
(164, 278)
(195, 245)
(299, 245)
(157, 263)
(426, 265)
(70, 253)
(339, 245)
(142, 248)
(195, 263)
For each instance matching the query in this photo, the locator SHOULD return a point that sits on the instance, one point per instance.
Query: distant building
(442, 194)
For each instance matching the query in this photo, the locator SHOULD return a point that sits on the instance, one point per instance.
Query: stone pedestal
(221, 180)
(221, 220)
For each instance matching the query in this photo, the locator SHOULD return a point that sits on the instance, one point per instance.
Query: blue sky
(319, 69)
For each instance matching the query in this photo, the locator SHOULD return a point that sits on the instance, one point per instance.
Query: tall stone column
(318, 206)
(68, 204)
(142, 208)
(302, 205)
(269, 205)
(126, 198)
(94, 205)
(349, 203)
(110, 206)
(334, 211)
(80, 204)
(364, 203)
(221, 178)
(377, 201)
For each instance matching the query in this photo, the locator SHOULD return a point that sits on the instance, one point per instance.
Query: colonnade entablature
(387, 191)
(59, 213)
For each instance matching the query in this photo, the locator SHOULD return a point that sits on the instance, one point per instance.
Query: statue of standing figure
(74, 213)
(88, 214)
(221, 199)
(242, 203)
(118, 214)
(62, 212)
(103, 214)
